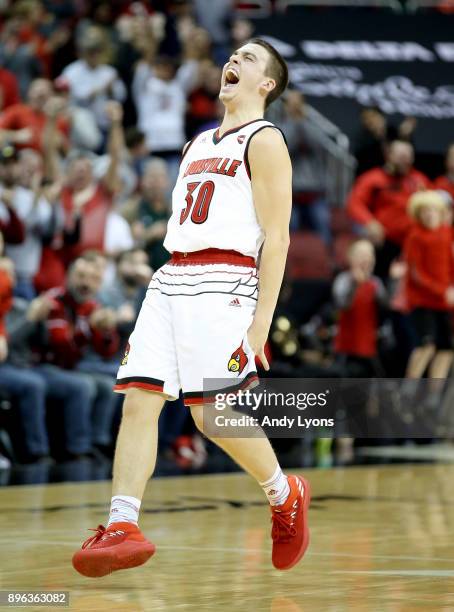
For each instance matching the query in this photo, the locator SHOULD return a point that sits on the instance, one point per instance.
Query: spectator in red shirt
(23, 124)
(446, 182)
(358, 295)
(76, 322)
(78, 326)
(87, 202)
(429, 285)
(9, 89)
(378, 202)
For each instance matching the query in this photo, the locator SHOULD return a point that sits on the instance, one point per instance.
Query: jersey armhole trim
(187, 146)
(246, 150)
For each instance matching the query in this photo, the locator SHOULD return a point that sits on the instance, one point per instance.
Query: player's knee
(197, 415)
(142, 405)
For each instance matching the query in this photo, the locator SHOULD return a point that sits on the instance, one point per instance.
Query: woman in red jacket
(429, 288)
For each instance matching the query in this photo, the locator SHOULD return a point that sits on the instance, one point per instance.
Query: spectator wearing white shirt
(85, 133)
(160, 94)
(92, 83)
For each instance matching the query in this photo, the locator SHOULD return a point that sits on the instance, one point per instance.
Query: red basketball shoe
(290, 531)
(120, 546)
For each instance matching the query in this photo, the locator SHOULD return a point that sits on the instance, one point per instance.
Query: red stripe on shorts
(138, 385)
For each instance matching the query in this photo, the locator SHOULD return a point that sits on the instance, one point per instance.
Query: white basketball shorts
(193, 326)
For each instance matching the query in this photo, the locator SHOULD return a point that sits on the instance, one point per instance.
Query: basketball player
(207, 314)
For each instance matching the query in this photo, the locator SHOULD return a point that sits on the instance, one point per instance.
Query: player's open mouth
(231, 78)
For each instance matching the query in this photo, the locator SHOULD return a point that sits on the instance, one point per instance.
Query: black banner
(386, 408)
(343, 59)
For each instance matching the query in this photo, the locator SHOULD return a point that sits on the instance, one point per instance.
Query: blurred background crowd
(97, 100)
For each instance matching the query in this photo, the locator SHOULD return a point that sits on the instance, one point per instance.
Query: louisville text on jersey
(214, 165)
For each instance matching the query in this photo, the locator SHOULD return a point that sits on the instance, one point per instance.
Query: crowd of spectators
(96, 103)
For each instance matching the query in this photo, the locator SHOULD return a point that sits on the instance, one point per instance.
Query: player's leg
(289, 496)
(254, 454)
(212, 332)
(147, 375)
(137, 443)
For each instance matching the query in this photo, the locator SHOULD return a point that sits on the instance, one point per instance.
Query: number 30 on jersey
(198, 209)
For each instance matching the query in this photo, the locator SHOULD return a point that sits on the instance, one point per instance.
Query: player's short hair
(276, 69)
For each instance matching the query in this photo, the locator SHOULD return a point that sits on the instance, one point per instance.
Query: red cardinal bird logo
(238, 360)
(124, 361)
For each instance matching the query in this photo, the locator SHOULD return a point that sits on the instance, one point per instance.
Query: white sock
(276, 488)
(124, 508)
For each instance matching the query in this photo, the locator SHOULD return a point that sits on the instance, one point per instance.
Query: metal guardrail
(340, 163)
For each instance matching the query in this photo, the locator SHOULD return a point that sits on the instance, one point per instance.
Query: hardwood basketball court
(382, 540)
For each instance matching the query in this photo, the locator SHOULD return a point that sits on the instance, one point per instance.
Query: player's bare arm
(271, 177)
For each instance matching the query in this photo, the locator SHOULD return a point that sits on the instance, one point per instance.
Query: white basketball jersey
(212, 204)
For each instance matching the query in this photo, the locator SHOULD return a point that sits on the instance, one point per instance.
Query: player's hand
(257, 335)
(3, 349)
(449, 296)
(375, 232)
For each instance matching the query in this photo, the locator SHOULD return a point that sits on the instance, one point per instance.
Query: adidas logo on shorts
(235, 302)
